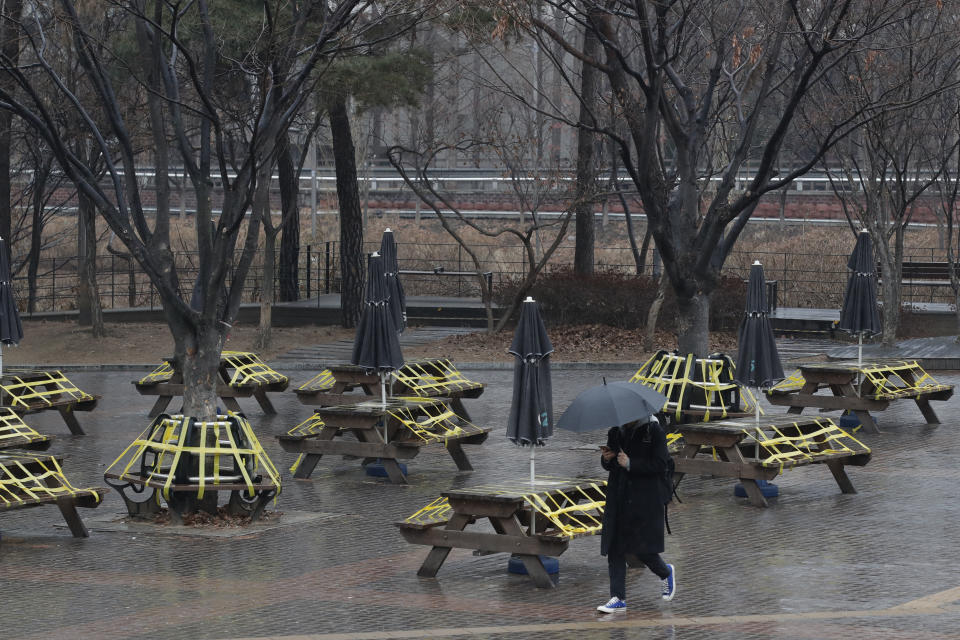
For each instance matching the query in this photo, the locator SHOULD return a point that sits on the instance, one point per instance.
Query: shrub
(619, 299)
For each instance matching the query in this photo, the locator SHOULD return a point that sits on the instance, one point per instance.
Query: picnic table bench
(388, 432)
(860, 389)
(15, 433)
(187, 462)
(428, 378)
(528, 521)
(923, 273)
(30, 391)
(242, 375)
(29, 480)
(750, 451)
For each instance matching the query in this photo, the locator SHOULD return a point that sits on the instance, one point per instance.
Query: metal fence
(807, 280)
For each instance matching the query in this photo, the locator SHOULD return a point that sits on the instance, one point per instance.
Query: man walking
(633, 519)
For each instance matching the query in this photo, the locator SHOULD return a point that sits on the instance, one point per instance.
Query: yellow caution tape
(433, 378)
(14, 432)
(158, 451)
(40, 388)
(28, 480)
(575, 511)
(323, 381)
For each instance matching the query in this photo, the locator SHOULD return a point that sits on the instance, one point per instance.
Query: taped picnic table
(391, 431)
(428, 378)
(29, 480)
(29, 391)
(528, 521)
(748, 450)
(242, 375)
(860, 389)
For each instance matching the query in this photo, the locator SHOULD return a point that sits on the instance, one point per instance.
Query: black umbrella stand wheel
(697, 389)
(188, 462)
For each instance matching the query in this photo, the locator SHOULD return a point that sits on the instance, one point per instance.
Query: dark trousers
(617, 566)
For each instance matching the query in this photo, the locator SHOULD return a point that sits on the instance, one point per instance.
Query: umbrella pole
(533, 464)
(756, 436)
(383, 399)
(859, 358)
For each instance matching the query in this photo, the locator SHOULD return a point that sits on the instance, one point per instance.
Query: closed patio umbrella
(11, 330)
(758, 362)
(376, 346)
(859, 314)
(398, 300)
(531, 411)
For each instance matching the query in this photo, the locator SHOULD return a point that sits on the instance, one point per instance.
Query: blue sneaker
(613, 605)
(669, 585)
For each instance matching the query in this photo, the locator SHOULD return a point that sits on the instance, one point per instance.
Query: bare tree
(880, 172)
(183, 79)
(707, 89)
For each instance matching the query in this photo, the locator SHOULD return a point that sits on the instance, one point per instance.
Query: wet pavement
(816, 564)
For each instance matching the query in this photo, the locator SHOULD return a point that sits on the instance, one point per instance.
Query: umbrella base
(377, 470)
(551, 564)
(768, 489)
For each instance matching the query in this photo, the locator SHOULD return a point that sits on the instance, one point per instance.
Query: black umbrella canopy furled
(376, 346)
(611, 405)
(758, 362)
(398, 300)
(11, 329)
(859, 314)
(531, 411)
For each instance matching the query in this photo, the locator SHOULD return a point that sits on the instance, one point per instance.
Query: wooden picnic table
(388, 432)
(528, 521)
(29, 391)
(242, 375)
(28, 480)
(860, 389)
(739, 448)
(428, 378)
(338, 384)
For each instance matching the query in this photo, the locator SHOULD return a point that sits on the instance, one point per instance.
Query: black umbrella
(758, 363)
(531, 411)
(398, 300)
(376, 346)
(11, 331)
(859, 313)
(611, 405)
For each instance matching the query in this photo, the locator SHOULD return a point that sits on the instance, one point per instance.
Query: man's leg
(617, 566)
(655, 563)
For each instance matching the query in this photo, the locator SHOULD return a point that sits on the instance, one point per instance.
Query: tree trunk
(10, 47)
(891, 300)
(261, 208)
(199, 354)
(351, 218)
(693, 322)
(586, 169)
(289, 221)
(653, 313)
(89, 312)
(40, 174)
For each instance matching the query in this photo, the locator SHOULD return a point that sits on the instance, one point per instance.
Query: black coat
(633, 518)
